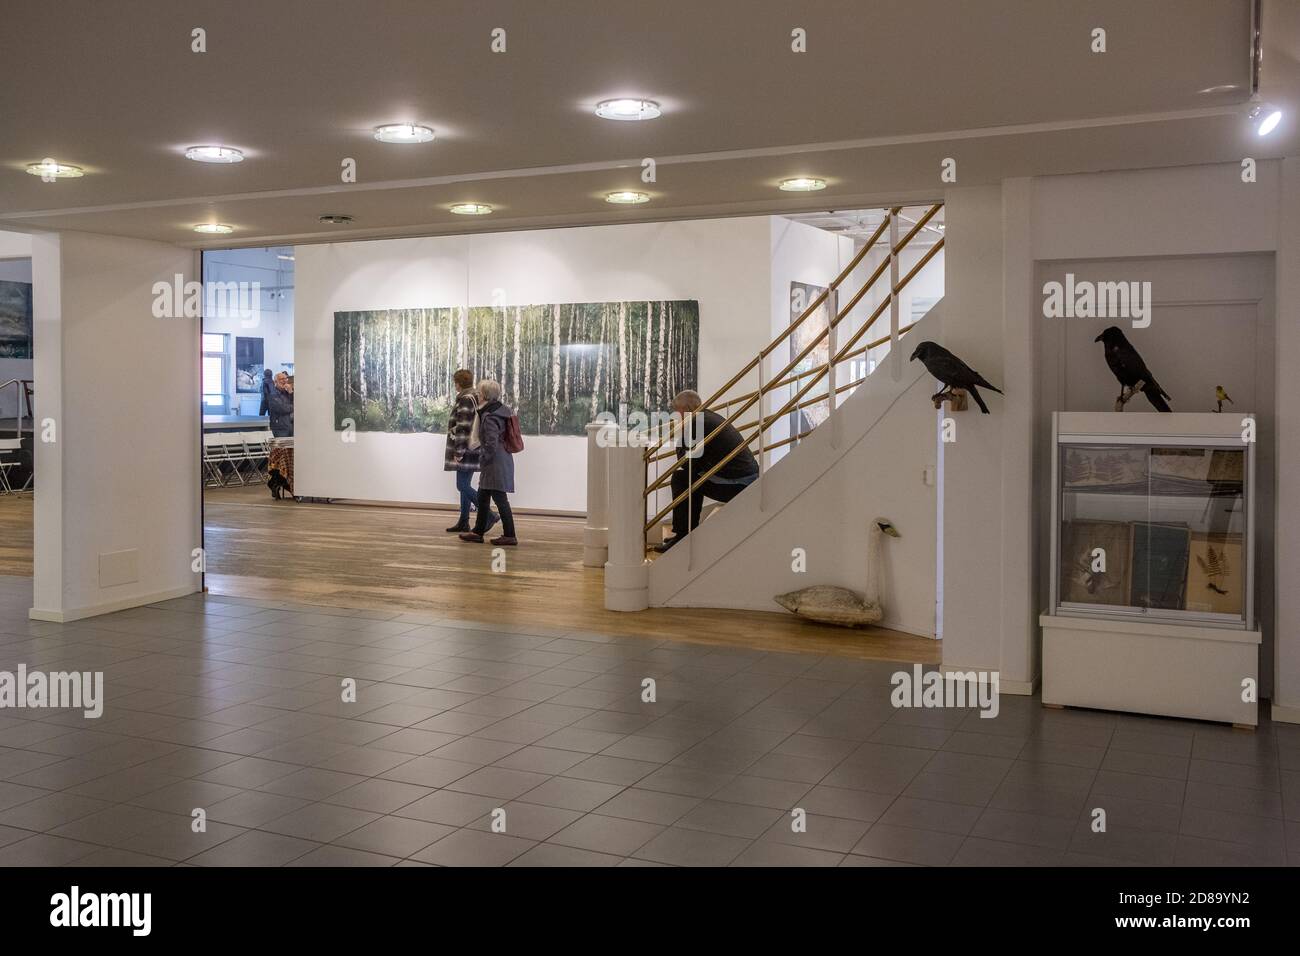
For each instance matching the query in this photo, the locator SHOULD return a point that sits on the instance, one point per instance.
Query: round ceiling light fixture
(49, 170)
(1264, 117)
(214, 228)
(802, 184)
(628, 110)
(404, 133)
(215, 154)
(471, 208)
(627, 197)
(335, 220)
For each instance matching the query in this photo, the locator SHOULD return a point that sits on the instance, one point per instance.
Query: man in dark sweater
(727, 482)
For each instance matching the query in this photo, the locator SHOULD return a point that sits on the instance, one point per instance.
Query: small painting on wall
(249, 363)
(15, 319)
(802, 295)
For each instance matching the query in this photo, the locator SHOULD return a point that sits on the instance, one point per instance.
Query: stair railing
(804, 380)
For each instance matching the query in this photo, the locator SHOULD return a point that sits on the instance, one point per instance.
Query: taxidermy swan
(828, 604)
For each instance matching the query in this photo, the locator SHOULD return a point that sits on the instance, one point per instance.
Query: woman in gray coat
(496, 477)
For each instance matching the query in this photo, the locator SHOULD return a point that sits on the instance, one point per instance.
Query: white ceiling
(886, 90)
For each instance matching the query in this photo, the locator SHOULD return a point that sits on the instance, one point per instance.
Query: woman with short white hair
(496, 436)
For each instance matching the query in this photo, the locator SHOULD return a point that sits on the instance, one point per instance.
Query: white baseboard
(1018, 688)
(68, 615)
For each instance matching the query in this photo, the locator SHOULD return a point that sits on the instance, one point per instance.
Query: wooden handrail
(793, 402)
(754, 396)
(711, 401)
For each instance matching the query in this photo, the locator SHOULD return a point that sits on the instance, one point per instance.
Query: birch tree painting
(559, 365)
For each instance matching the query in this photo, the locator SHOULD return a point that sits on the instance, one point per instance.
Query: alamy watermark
(179, 299)
(1084, 299)
(920, 688)
(76, 909)
(82, 690)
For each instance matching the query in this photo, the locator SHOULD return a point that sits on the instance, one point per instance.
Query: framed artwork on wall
(559, 364)
(802, 295)
(15, 319)
(249, 363)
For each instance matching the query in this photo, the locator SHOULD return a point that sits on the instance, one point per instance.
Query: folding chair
(9, 446)
(214, 457)
(256, 449)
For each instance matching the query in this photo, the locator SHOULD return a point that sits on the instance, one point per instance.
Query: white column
(1286, 560)
(595, 542)
(627, 572)
(117, 516)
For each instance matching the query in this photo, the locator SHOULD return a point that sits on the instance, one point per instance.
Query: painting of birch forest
(558, 365)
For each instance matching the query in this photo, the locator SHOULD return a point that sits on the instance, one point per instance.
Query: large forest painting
(559, 365)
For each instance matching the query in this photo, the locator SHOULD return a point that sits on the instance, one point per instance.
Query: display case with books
(1152, 544)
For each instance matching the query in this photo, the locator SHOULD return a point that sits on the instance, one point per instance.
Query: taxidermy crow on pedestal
(953, 372)
(1131, 371)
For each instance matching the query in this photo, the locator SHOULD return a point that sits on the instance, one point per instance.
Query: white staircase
(872, 458)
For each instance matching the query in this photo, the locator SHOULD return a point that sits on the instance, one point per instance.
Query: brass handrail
(748, 399)
(765, 422)
(812, 307)
(835, 320)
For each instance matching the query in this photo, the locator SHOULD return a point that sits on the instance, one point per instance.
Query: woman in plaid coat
(459, 457)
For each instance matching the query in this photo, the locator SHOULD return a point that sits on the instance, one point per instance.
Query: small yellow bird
(1220, 397)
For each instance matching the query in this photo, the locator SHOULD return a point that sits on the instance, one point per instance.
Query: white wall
(724, 264)
(121, 387)
(975, 581)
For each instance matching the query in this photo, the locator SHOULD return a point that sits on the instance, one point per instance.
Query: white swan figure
(828, 604)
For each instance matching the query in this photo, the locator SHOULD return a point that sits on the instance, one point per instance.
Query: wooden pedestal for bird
(828, 604)
(1126, 395)
(954, 398)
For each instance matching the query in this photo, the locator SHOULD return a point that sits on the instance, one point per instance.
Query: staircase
(877, 443)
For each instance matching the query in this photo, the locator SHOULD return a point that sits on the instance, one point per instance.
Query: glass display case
(1155, 526)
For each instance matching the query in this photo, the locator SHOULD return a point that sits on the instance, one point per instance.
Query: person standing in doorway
(496, 463)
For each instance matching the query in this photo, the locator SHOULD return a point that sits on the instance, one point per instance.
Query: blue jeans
(468, 496)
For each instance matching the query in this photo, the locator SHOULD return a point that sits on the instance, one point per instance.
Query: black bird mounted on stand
(953, 372)
(1131, 371)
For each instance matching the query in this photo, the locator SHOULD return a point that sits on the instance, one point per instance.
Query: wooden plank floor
(16, 535)
(389, 558)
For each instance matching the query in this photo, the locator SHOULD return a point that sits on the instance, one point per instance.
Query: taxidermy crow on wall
(952, 371)
(1131, 371)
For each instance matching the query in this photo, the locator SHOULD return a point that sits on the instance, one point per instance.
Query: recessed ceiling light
(286, 258)
(471, 209)
(403, 133)
(335, 220)
(214, 228)
(802, 184)
(627, 197)
(215, 154)
(48, 169)
(627, 109)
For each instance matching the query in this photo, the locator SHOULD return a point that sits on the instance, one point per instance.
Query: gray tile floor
(235, 707)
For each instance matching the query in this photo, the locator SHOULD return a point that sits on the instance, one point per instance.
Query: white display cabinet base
(1172, 670)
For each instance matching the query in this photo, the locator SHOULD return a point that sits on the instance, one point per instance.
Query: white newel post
(595, 541)
(627, 572)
